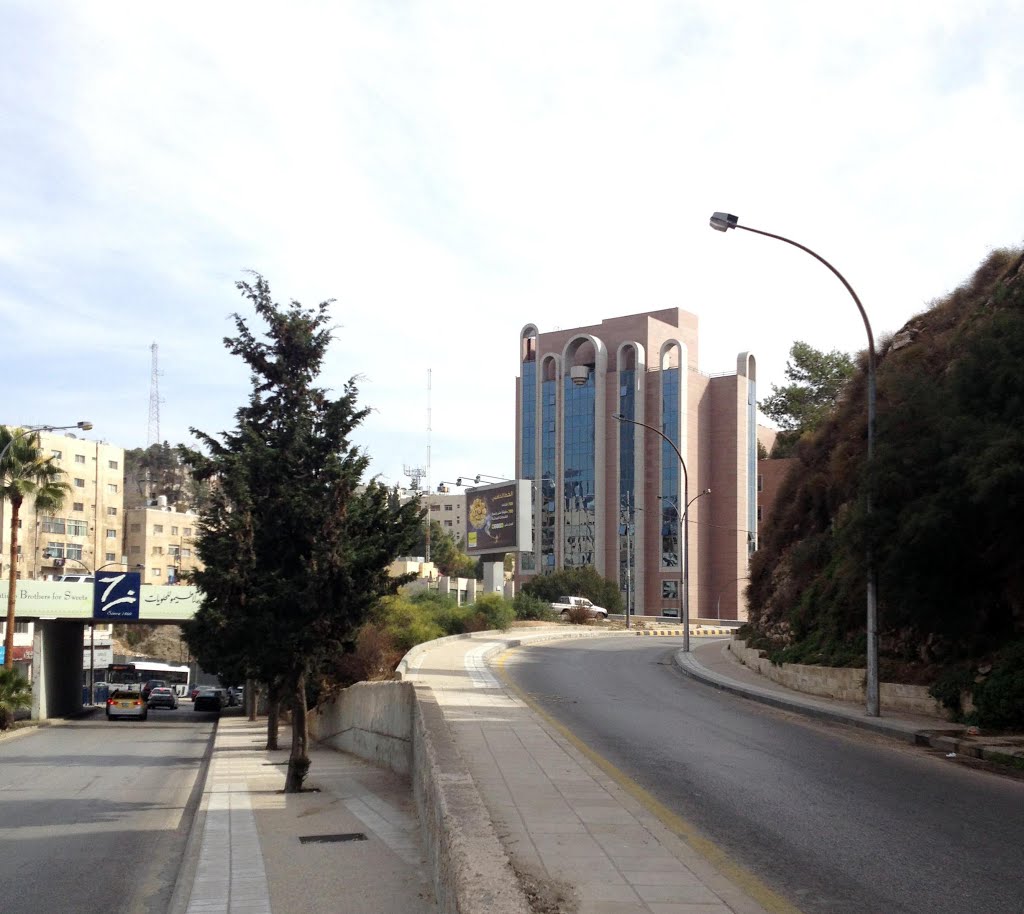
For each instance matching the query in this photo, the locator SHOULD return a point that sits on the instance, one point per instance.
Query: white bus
(135, 675)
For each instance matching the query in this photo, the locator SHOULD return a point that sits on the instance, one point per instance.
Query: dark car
(208, 700)
(151, 684)
(162, 697)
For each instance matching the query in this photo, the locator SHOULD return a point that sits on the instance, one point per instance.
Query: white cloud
(448, 173)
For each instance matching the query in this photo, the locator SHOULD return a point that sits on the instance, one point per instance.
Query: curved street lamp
(722, 222)
(31, 429)
(684, 596)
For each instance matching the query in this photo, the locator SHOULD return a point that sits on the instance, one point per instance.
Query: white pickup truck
(564, 604)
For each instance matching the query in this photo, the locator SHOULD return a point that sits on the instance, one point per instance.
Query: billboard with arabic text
(499, 518)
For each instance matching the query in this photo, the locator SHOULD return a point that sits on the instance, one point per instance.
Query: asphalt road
(834, 820)
(94, 814)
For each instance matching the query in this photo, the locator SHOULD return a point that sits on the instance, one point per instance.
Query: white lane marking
(476, 666)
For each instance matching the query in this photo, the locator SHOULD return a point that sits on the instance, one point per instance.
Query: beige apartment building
(159, 538)
(448, 508)
(86, 533)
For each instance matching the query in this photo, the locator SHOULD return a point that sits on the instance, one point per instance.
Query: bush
(493, 611)
(999, 698)
(577, 615)
(527, 607)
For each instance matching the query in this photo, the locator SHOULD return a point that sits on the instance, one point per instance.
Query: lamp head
(85, 426)
(722, 222)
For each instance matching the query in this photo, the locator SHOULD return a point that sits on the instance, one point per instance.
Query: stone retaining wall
(843, 683)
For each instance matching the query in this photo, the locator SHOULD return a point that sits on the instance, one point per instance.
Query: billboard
(499, 518)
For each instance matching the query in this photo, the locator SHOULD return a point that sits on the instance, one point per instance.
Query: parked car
(151, 684)
(163, 697)
(208, 699)
(565, 604)
(123, 703)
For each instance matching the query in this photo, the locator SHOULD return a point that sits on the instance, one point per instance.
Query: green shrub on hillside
(999, 697)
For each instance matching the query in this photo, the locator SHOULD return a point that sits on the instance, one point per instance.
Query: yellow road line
(770, 900)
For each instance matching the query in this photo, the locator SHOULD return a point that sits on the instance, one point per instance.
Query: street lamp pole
(722, 222)
(684, 597)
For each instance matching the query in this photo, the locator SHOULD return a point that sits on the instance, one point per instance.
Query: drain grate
(332, 839)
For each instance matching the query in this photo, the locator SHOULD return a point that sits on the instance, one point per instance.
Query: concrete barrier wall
(399, 725)
(372, 720)
(844, 683)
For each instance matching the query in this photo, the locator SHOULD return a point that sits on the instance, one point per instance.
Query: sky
(448, 172)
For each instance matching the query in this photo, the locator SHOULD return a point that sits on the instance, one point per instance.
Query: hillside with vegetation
(947, 492)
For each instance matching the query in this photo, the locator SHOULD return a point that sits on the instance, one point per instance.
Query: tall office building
(612, 494)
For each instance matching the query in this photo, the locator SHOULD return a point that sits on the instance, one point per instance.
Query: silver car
(124, 703)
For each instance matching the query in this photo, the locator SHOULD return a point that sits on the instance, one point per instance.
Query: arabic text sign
(116, 595)
(498, 518)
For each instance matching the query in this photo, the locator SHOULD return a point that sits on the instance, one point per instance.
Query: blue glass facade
(528, 439)
(671, 485)
(547, 468)
(579, 485)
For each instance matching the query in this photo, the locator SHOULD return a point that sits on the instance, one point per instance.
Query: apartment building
(159, 542)
(86, 533)
(612, 494)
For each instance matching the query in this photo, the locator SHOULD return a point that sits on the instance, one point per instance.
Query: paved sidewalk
(352, 845)
(578, 839)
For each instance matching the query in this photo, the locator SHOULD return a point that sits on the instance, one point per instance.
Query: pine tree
(295, 552)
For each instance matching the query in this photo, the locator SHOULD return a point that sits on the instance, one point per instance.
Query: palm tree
(14, 694)
(25, 473)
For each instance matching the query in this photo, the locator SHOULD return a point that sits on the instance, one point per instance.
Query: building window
(760, 483)
(158, 550)
(109, 557)
(448, 523)
(186, 531)
(448, 507)
(77, 528)
(111, 534)
(174, 551)
(135, 550)
(56, 455)
(135, 528)
(78, 506)
(158, 528)
(157, 572)
(435, 507)
(79, 458)
(174, 531)
(112, 512)
(186, 553)
(112, 488)
(670, 590)
(112, 464)
(79, 483)
(74, 551)
(53, 525)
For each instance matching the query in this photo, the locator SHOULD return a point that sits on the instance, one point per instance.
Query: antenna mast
(153, 435)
